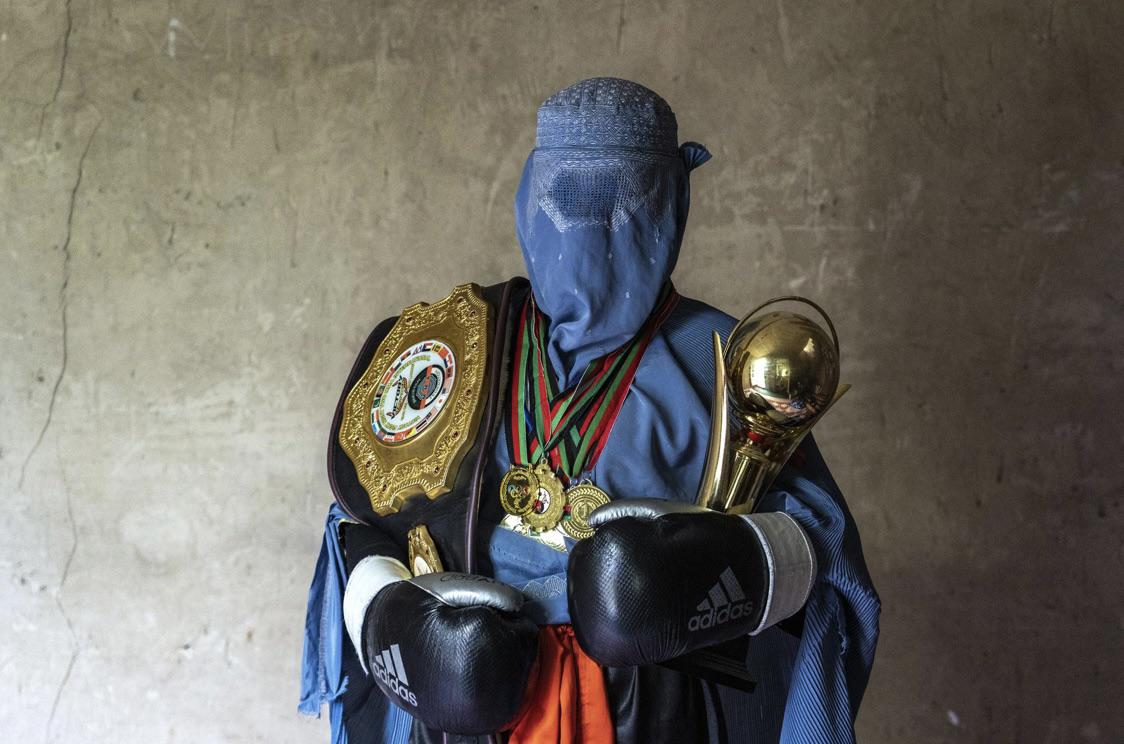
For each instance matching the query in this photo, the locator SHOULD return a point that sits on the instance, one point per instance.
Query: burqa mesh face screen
(581, 188)
(600, 214)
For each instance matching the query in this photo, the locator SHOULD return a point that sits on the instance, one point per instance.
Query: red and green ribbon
(569, 428)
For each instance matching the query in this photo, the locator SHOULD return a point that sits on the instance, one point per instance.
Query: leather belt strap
(490, 420)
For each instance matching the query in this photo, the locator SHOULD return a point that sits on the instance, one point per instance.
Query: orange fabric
(568, 703)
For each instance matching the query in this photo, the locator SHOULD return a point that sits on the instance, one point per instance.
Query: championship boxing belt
(408, 443)
(414, 421)
(408, 421)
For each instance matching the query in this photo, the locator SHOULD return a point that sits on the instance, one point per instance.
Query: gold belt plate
(413, 415)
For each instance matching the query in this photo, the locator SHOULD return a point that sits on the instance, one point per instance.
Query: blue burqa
(600, 215)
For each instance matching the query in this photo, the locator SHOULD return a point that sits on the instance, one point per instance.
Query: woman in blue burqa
(600, 214)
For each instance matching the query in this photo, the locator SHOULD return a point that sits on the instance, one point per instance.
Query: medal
(581, 500)
(549, 502)
(563, 431)
(518, 490)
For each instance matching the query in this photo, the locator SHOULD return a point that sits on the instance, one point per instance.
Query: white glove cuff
(792, 565)
(367, 579)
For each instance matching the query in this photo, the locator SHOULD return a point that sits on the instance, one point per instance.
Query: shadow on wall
(993, 279)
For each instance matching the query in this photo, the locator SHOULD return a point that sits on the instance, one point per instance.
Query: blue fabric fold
(841, 619)
(323, 681)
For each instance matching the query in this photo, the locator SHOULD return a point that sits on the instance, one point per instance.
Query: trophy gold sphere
(777, 375)
(782, 366)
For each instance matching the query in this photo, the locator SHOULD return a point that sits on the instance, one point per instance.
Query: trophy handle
(790, 298)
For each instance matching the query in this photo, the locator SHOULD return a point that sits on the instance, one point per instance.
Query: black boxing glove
(659, 579)
(450, 649)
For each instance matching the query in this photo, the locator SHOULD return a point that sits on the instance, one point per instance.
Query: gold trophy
(778, 375)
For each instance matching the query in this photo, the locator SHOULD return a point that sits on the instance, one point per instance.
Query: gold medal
(549, 502)
(518, 490)
(581, 500)
(422, 552)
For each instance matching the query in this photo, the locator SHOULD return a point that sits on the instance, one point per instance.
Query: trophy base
(723, 664)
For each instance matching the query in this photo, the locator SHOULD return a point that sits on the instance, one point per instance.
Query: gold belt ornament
(422, 552)
(412, 417)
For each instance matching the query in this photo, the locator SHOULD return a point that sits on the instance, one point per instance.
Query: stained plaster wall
(204, 207)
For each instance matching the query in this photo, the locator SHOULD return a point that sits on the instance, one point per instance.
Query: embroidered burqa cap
(600, 214)
(607, 112)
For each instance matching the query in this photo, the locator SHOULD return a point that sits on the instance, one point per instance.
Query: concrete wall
(204, 206)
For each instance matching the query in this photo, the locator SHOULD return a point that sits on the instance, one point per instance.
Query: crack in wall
(237, 105)
(62, 70)
(620, 25)
(787, 55)
(76, 646)
(64, 302)
(58, 693)
(942, 75)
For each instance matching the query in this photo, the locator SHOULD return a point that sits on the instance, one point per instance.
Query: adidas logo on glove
(388, 668)
(724, 602)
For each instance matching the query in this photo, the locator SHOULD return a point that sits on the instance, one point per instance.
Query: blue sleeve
(836, 648)
(323, 681)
